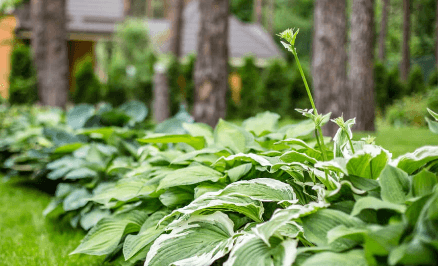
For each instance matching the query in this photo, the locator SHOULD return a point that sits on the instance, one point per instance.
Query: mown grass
(27, 238)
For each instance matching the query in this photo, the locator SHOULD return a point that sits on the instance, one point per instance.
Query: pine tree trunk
(329, 59)
(405, 65)
(176, 19)
(383, 30)
(271, 16)
(211, 69)
(361, 60)
(149, 9)
(127, 7)
(257, 11)
(161, 95)
(49, 42)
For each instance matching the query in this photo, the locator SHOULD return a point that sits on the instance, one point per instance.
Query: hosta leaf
(394, 184)
(250, 250)
(412, 253)
(58, 173)
(81, 173)
(238, 172)
(433, 126)
(243, 157)
(233, 137)
(76, 199)
(124, 190)
(423, 183)
(317, 225)
(350, 258)
(200, 130)
(203, 188)
(68, 148)
(262, 123)
(91, 218)
(176, 196)
(376, 204)
(105, 236)
(211, 202)
(199, 241)
(432, 113)
(368, 162)
(189, 175)
(294, 156)
(261, 189)
(98, 133)
(344, 189)
(298, 142)
(301, 129)
(191, 155)
(411, 162)
(135, 109)
(195, 142)
(79, 115)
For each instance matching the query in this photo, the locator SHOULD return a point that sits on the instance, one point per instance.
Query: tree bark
(361, 60)
(383, 30)
(161, 95)
(329, 59)
(127, 7)
(405, 65)
(176, 19)
(149, 9)
(257, 11)
(49, 42)
(211, 69)
(271, 16)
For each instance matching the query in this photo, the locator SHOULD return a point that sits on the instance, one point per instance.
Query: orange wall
(7, 26)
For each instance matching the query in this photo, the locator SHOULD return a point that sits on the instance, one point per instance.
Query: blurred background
(369, 59)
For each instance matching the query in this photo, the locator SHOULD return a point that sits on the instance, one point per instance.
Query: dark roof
(101, 17)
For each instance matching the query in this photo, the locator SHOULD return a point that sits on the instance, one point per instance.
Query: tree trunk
(405, 65)
(127, 7)
(161, 95)
(271, 16)
(211, 69)
(383, 31)
(436, 38)
(361, 57)
(149, 9)
(50, 50)
(329, 59)
(257, 11)
(176, 26)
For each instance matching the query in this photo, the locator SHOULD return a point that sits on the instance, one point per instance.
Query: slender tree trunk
(49, 42)
(176, 14)
(271, 16)
(383, 30)
(361, 58)
(257, 11)
(127, 7)
(211, 69)
(405, 65)
(149, 9)
(329, 59)
(161, 95)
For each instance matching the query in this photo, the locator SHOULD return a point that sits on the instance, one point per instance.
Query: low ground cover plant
(256, 194)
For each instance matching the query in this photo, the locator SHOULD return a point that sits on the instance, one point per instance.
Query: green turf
(27, 238)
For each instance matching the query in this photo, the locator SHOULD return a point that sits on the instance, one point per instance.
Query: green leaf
(79, 115)
(188, 176)
(68, 148)
(199, 241)
(233, 137)
(106, 235)
(136, 110)
(239, 171)
(176, 196)
(376, 204)
(203, 188)
(91, 218)
(81, 173)
(411, 162)
(76, 199)
(433, 114)
(98, 133)
(200, 130)
(317, 225)
(350, 258)
(394, 185)
(195, 142)
(262, 123)
(294, 156)
(433, 126)
(423, 183)
(250, 250)
(412, 253)
(368, 162)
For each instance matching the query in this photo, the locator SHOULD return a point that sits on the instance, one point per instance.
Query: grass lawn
(27, 238)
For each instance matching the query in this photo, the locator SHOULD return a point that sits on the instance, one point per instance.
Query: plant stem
(351, 144)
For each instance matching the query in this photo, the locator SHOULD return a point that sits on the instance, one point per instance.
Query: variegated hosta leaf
(232, 136)
(294, 156)
(262, 123)
(188, 176)
(211, 202)
(124, 190)
(148, 233)
(106, 235)
(350, 258)
(76, 199)
(91, 218)
(176, 196)
(262, 189)
(198, 241)
(282, 217)
(255, 159)
(411, 162)
(238, 172)
(250, 250)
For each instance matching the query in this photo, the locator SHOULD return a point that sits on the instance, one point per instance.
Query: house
(89, 21)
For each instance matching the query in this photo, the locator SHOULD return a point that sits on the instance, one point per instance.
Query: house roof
(98, 18)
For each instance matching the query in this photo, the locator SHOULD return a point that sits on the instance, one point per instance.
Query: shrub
(380, 86)
(88, 87)
(416, 81)
(395, 88)
(22, 79)
(433, 78)
(187, 81)
(409, 111)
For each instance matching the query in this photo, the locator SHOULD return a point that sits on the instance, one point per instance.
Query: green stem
(305, 82)
(322, 145)
(351, 144)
